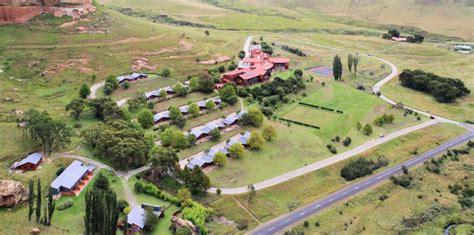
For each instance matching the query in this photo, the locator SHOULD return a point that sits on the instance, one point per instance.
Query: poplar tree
(31, 199)
(38, 201)
(350, 61)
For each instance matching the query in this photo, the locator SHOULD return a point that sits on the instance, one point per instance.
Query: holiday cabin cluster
(257, 67)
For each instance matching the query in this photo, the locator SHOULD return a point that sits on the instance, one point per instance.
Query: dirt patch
(141, 63)
(224, 221)
(80, 64)
(183, 45)
(218, 59)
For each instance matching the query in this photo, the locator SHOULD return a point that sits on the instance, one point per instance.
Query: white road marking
(356, 187)
(302, 213)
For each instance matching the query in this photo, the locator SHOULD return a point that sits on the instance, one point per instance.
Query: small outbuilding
(30, 163)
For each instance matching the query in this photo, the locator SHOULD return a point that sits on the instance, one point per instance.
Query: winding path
(304, 170)
(343, 156)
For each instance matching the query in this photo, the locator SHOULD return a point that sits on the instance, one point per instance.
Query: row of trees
(417, 38)
(292, 50)
(337, 68)
(102, 211)
(362, 167)
(48, 209)
(384, 119)
(443, 89)
(104, 109)
(366, 129)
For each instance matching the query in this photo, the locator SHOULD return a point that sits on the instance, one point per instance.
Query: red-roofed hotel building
(256, 68)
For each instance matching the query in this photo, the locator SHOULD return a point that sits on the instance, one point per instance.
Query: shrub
(59, 171)
(122, 204)
(347, 141)
(126, 85)
(215, 134)
(65, 204)
(77, 125)
(218, 191)
(306, 224)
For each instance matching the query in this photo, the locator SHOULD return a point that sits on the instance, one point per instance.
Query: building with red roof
(258, 67)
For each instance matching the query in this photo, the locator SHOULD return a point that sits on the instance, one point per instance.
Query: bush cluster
(152, 190)
(384, 119)
(292, 50)
(64, 205)
(443, 89)
(362, 167)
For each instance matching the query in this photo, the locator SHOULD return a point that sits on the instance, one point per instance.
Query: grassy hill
(446, 17)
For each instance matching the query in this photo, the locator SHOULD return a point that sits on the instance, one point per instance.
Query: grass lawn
(276, 200)
(366, 213)
(297, 146)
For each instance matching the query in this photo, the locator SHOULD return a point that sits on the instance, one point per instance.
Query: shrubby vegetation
(362, 167)
(443, 89)
(417, 38)
(123, 144)
(384, 119)
(292, 50)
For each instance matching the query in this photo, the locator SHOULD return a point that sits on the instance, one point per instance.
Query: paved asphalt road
(282, 222)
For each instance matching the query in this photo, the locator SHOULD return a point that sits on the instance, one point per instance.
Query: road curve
(284, 221)
(94, 88)
(336, 158)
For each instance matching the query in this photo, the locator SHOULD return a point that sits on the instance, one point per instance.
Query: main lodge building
(257, 67)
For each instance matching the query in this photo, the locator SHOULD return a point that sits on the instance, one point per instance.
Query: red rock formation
(19, 11)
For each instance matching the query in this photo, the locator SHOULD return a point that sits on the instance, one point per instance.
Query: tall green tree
(76, 106)
(53, 134)
(164, 161)
(269, 132)
(38, 201)
(367, 130)
(350, 62)
(206, 83)
(254, 116)
(84, 91)
(101, 211)
(31, 198)
(179, 89)
(194, 110)
(228, 94)
(48, 210)
(177, 117)
(145, 118)
(337, 68)
(195, 180)
(220, 159)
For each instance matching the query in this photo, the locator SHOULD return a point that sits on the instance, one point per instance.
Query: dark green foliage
(254, 116)
(38, 201)
(31, 198)
(151, 219)
(101, 182)
(53, 134)
(145, 118)
(404, 180)
(361, 167)
(443, 89)
(120, 142)
(241, 54)
(206, 83)
(76, 106)
(367, 130)
(215, 134)
(195, 180)
(137, 101)
(429, 214)
(165, 72)
(384, 119)
(347, 141)
(163, 161)
(101, 210)
(106, 109)
(292, 50)
(266, 48)
(337, 68)
(228, 94)
(274, 91)
(110, 85)
(84, 91)
(394, 33)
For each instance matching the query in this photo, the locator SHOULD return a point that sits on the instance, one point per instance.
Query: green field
(366, 213)
(276, 200)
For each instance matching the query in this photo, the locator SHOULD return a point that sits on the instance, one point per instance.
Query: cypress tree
(31, 198)
(355, 62)
(101, 210)
(337, 68)
(51, 207)
(125, 225)
(38, 201)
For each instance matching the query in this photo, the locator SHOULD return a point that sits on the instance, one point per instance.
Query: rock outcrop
(12, 193)
(19, 11)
